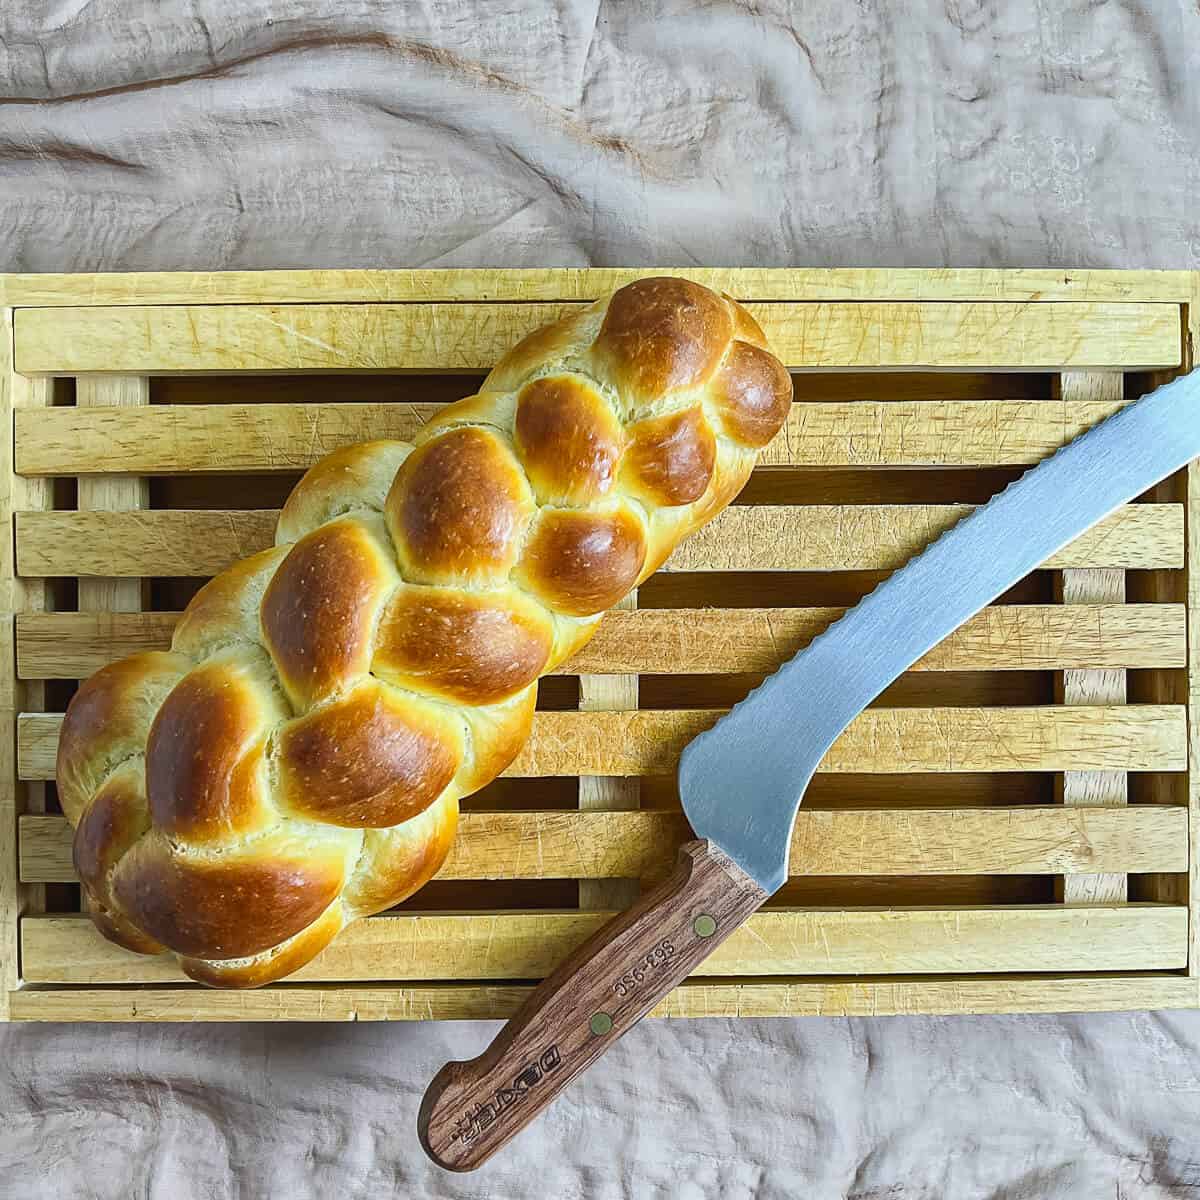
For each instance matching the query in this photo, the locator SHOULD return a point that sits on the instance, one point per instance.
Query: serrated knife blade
(741, 782)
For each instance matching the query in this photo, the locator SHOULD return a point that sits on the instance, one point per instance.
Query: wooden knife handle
(473, 1108)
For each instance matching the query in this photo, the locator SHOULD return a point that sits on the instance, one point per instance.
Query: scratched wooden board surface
(936, 805)
(641, 844)
(864, 996)
(587, 283)
(515, 945)
(449, 337)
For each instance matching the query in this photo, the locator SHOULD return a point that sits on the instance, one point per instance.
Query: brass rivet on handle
(704, 925)
(600, 1024)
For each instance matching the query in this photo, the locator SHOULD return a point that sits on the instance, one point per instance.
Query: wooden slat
(1004, 637)
(44, 849)
(859, 997)
(226, 438)
(528, 945)
(185, 542)
(126, 394)
(1189, 682)
(586, 283)
(15, 594)
(1031, 637)
(883, 537)
(1031, 840)
(458, 337)
(1179, 686)
(1091, 686)
(1092, 788)
(1174, 687)
(219, 438)
(112, 493)
(146, 543)
(1008, 841)
(600, 793)
(1142, 737)
(33, 396)
(75, 645)
(891, 741)
(10, 699)
(1193, 685)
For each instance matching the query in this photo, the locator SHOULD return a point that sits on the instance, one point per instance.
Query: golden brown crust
(569, 440)
(319, 612)
(753, 394)
(272, 964)
(459, 645)
(119, 930)
(671, 458)
(204, 755)
(224, 611)
(395, 862)
(238, 904)
(661, 335)
(498, 731)
(374, 758)
(296, 761)
(581, 563)
(114, 821)
(457, 509)
(745, 327)
(108, 721)
(351, 479)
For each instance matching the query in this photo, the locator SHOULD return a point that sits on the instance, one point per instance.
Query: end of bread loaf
(297, 759)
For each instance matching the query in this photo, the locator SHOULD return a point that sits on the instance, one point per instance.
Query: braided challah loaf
(297, 758)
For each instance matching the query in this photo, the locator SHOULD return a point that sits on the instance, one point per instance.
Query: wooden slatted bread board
(1008, 829)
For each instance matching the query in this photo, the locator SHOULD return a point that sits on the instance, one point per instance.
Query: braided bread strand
(296, 759)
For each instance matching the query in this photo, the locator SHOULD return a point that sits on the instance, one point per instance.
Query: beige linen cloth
(137, 135)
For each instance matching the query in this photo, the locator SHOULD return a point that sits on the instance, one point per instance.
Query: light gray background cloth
(137, 135)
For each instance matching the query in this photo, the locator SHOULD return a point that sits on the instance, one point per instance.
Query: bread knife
(741, 781)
